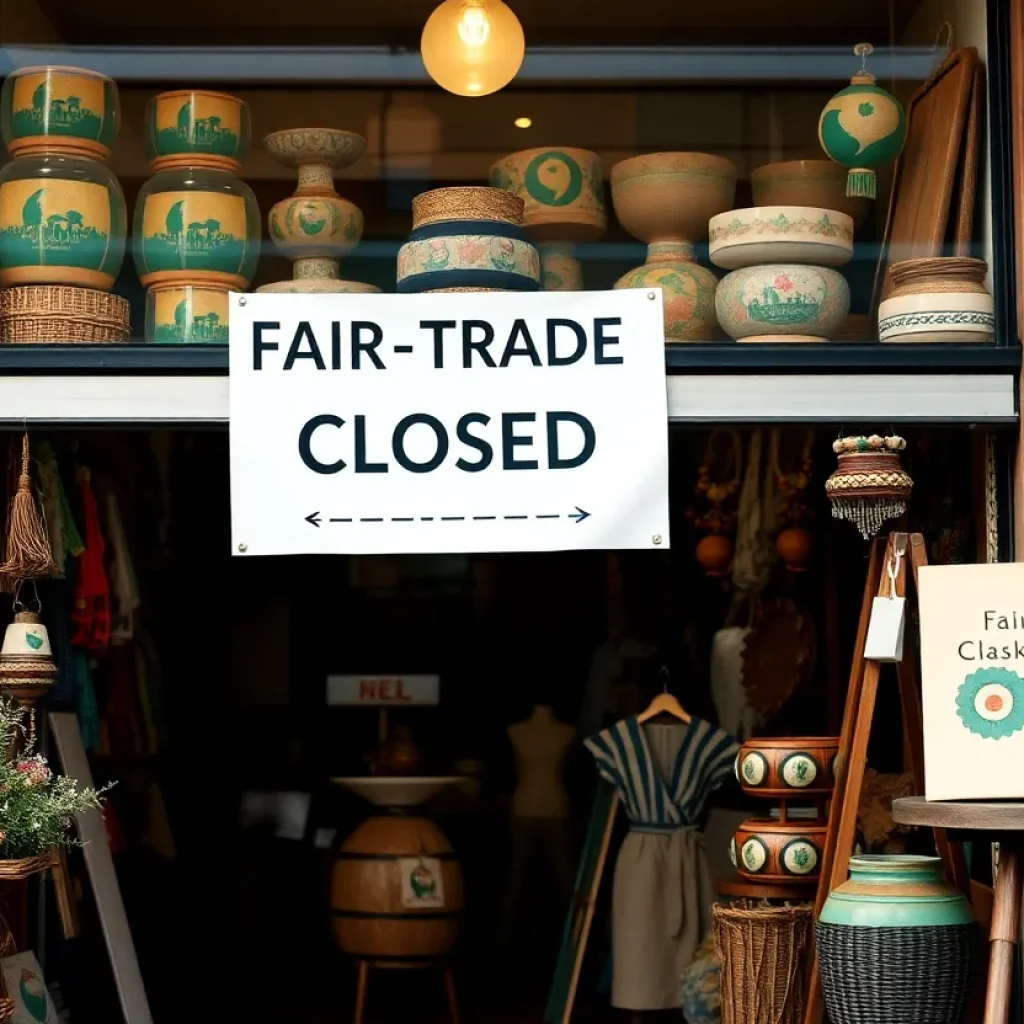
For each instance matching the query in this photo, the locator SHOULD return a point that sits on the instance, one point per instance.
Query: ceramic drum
(468, 239)
(781, 852)
(788, 768)
(782, 303)
(197, 226)
(193, 127)
(182, 314)
(62, 221)
(59, 110)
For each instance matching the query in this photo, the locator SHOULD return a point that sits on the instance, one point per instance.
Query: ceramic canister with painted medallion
(62, 221)
(182, 314)
(767, 850)
(59, 110)
(784, 768)
(562, 190)
(315, 226)
(196, 128)
(197, 226)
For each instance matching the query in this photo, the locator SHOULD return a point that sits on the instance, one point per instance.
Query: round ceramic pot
(670, 197)
(820, 183)
(687, 290)
(783, 302)
(794, 546)
(766, 850)
(196, 226)
(788, 767)
(62, 221)
(59, 110)
(780, 234)
(560, 270)
(26, 638)
(938, 299)
(195, 128)
(182, 314)
(468, 239)
(896, 943)
(562, 190)
(315, 226)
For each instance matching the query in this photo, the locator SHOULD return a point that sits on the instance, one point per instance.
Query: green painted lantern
(862, 127)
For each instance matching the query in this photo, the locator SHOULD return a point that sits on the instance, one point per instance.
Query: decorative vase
(72, 111)
(184, 314)
(314, 227)
(666, 200)
(468, 239)
(563, 195)
(820, 183)
(782, 303)
(62, 221)
(862, 127)
(938, 299)
(780, 852)
(195, 128)
(789, 767)
(896, 943)
(196, 226)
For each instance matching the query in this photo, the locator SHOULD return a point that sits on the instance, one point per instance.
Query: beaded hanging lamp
(870, 486)
(862, 127)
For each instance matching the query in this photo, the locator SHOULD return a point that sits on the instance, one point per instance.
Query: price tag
(888, 617)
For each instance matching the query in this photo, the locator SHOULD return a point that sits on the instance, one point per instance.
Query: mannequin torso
(540, 745)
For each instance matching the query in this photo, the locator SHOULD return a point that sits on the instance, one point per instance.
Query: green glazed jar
(197, 226)
(62, 221)
(59, 110)
(896, 943)
(196, 127)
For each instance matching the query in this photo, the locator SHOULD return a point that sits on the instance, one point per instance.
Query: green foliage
(37, 808)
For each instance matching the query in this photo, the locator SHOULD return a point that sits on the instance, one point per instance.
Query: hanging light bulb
(472, 47)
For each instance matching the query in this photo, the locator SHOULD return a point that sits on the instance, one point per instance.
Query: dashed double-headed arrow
(315, 519)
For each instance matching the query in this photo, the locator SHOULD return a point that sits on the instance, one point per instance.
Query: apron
(662, 892)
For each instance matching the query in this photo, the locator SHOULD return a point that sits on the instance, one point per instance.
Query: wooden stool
(363, 979)
(1004, 824)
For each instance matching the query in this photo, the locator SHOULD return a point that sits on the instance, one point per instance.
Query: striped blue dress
(662, 891)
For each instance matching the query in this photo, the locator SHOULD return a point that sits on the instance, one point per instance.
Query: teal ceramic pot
(782, 302)
(896, 943)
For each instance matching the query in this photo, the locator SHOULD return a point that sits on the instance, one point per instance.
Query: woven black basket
(896, 975)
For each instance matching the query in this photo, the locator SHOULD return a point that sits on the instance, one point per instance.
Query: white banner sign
(383, 690)
(451, 422)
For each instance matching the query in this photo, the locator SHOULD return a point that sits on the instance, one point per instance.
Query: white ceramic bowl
(780, 234)
(956, 317)
(398, 791)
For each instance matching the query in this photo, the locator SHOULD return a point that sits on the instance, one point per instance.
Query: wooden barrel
(396, 892)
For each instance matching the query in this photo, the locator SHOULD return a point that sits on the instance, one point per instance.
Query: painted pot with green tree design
(666, 200)
(196, 127)
(562, 190)
(315, 227)
(184, 314)
(72, 111)
(196, 226)
(62, 221)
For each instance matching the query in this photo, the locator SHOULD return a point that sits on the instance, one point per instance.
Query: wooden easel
(853, 743)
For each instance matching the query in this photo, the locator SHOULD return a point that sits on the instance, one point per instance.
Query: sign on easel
(448, 423)
(972, 680)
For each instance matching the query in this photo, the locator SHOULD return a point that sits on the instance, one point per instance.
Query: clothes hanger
(664, 703)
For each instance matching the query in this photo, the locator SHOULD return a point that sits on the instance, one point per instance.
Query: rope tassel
(28, 546)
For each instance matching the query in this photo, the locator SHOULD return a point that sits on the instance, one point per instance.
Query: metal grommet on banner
(241, 300)
(243, 548)
(656, 539)
(652, 295)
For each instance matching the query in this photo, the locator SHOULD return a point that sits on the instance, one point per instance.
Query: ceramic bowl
(780, 234)
(819, 183)
(297, 147)
(665, 197)
(788, 767)
(396, 791)
(783, 302)
(766, 850)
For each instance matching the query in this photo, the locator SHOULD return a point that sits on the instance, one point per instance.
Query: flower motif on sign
(990, 703)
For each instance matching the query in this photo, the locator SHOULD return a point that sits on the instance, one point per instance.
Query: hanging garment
(123, 582)
(662, 891)
(90, 618)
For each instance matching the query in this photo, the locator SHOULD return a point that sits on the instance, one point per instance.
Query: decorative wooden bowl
(767, 850)
(789, 767)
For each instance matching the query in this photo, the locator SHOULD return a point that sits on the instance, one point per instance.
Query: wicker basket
(19, 869)
(896, 975)
(764, 952)
(59, 314)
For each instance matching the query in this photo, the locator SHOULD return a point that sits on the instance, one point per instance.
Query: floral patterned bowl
(782, 302)
(780, 234)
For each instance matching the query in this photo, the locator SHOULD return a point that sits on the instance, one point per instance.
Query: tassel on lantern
(869, 487)
(28, 547)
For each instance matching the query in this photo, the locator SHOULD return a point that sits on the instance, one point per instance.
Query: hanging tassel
(861, 182)
(28, 547)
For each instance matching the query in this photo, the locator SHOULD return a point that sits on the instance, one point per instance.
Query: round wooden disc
(1002, 816)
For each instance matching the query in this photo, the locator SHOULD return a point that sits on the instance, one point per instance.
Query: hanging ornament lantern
(714, 553)
(862, 127)
(870, 486)
(794, 546)
(27, 669)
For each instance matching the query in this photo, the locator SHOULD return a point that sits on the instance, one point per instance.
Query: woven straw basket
(764, 952)
(59, 314)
